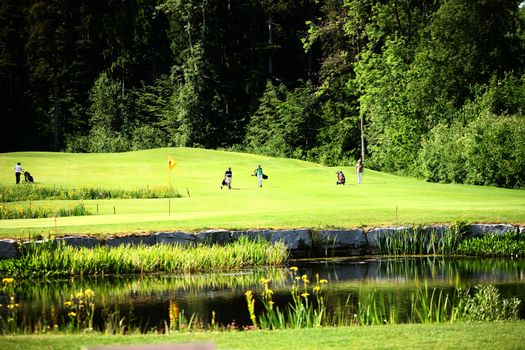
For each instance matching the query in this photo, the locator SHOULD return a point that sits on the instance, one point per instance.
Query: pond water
(147, 297)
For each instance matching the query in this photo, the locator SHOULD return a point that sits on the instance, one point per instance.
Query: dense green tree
(466, 43)
(286, 123)
(17, 131)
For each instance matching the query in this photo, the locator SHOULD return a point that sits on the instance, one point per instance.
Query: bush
(489, 150)
(511, 244)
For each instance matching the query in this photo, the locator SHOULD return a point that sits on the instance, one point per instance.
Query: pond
(143, 300)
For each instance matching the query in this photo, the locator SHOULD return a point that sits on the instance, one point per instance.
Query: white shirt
(18, 168)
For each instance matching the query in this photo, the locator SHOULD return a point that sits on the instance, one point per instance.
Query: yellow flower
(317, 288)
(270, 304)
(80, 294)
(265, 280)
(89, 293)
(72, 314)
(8, 280)
(323, 281)
(305, 279)
(248, 293)
(268, 291)
(305, 295)
(68, 303)
(294, 268)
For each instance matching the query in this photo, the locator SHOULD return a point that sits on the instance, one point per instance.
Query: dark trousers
(17, 175)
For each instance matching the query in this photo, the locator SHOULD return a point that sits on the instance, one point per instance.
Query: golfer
(228, 178)
(259, 173)
(18, 172)
(359, 167)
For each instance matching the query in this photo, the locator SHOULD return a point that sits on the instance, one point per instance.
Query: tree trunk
(55, 115)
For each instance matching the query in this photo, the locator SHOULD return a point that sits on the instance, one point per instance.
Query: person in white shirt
(18, 172)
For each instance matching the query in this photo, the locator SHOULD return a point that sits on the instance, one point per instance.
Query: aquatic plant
(308, 309)
(486, 304)
(419, 241)
(8, 307)
(80, 310)
(53, 258)
(492, 245)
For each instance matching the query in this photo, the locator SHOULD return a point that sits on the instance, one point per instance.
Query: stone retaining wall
(302, 242)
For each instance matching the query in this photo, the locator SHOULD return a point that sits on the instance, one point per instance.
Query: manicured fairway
(461, 336)
(297, 194)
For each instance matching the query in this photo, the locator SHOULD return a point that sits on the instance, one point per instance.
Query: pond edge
(301, 242)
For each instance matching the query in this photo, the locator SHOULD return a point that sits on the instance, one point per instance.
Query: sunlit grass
(297, 194)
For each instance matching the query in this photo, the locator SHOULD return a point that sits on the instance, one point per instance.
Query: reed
(51, 258)
(308, 308)
(31, 192)
(418, 241)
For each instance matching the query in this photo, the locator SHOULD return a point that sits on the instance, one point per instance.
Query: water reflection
(148, 297)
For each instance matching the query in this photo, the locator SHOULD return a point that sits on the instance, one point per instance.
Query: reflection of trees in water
(148, 296)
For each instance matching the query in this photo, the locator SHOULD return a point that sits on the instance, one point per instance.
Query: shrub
(510, 244)
(489, 150)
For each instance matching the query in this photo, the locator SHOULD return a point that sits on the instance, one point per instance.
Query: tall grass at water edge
(417, 240)
(308, 307)
(31, 192)
(53, 258)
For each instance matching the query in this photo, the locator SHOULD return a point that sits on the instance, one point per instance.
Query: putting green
(296, 194)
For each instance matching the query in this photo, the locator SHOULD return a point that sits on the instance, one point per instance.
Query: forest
(433, 89)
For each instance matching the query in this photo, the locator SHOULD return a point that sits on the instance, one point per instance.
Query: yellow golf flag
(171, 163)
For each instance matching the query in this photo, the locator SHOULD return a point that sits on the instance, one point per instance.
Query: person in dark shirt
(227, 178)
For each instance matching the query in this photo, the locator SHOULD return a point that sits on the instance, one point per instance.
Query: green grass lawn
(464, 336)
(297, 194)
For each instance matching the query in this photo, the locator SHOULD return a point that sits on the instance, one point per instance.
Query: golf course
(296, 194)
(187, 196)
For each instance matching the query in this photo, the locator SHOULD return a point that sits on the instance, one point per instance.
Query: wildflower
(80, 295)
(264, 281)
(305, 279)
(72, 314)
(268, 291)
(89, 293)
(8, 280)
(294, 268)
(68, 303)
(323, 281)
(317, 289)
(248, 294)
(305, 295)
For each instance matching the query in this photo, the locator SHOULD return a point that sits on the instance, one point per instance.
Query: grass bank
(297, 194)
(464, 336)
